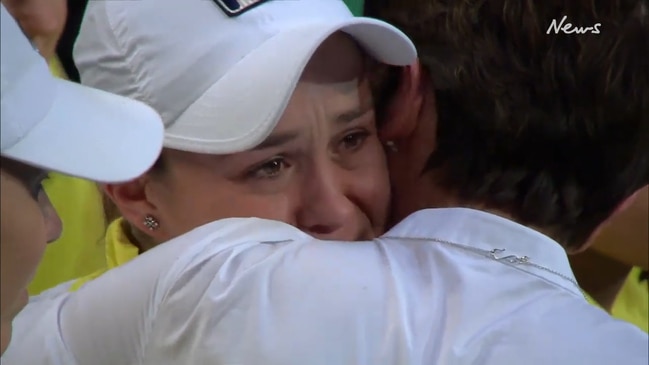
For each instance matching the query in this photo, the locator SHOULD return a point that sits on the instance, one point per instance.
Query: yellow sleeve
(119, 250)
(632, 303)
(57, 69)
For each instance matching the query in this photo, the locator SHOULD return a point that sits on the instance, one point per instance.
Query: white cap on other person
(220, 72)
(62, 126)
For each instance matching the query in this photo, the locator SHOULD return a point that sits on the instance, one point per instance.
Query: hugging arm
(103, 323)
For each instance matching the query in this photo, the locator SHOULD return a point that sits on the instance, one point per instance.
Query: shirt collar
(485, 231)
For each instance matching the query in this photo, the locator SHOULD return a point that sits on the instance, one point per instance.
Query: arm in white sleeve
(299, 302)
(109, 320)
(106, 321)
(103, 323)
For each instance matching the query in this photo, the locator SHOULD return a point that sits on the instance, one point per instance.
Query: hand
(42, 21)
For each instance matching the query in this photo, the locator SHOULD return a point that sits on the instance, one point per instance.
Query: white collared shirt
(249, 291)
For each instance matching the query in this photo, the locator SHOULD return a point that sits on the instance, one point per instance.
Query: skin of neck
(600, 276)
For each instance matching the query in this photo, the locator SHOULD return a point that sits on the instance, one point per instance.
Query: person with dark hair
(548, 128)
(509, 145)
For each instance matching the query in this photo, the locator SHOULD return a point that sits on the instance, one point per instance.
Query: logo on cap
(237, 7)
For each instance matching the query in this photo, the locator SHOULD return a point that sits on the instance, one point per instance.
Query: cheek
(23, 243)
(371, 185)
(207, 202)
(276, 207)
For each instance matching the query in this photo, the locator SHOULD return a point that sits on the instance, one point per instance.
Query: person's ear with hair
(408, 130)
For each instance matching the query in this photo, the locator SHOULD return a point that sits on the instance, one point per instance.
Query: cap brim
(241, 109)
(93, 134)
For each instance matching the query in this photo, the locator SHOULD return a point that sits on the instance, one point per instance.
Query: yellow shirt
(119, 250)
(632, 302)
(80, 249)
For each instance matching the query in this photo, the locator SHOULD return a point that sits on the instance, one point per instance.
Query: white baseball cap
(62, 126)
(220, 72)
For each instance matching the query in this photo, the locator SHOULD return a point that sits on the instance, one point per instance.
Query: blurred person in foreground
(42, 130)
(79, 250)
(494, 129)
(612, 273)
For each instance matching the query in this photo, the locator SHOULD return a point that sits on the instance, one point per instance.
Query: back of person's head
(542, 106)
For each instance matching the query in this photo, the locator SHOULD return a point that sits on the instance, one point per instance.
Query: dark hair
(552, 128)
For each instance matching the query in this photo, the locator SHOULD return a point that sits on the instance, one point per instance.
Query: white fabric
(236, 292)
(62, 126)
(220, 83)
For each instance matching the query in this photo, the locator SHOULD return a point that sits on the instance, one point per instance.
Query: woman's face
(28, 222)
(322, 169)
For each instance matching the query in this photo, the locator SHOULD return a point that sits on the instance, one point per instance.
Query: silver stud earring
(151, 223)
(391, 146)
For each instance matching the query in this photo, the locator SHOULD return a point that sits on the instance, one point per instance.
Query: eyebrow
(351, 115)
(275, 140)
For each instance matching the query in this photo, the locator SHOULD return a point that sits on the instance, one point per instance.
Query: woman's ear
(131, 200)
(402, 112)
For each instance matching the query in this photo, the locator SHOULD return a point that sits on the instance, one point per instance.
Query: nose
(327, 211)
(53, 224)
